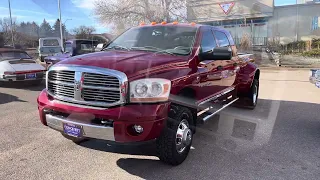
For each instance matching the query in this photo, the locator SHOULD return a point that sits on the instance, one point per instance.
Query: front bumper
(152, 117)
(91, 131)
(21, 77)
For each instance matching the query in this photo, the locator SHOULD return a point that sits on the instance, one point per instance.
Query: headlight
(150, 90)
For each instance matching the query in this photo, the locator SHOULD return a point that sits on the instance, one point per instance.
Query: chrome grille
(91, 79)
(106, 96)
(61, 90)
(63, 76)
(98, 87)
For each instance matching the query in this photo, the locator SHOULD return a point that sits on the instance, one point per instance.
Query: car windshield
(68, 48)
(14, 55)
(50, 42)
(177, 40)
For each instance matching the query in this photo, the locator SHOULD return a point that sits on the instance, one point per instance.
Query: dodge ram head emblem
(77, 85)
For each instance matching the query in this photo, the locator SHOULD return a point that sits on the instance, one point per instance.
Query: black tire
(167, 149)
(41, 58)
(253, 94)
(74, 139)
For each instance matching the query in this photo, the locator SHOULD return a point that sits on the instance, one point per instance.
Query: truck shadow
(7, 98)
(237, 141)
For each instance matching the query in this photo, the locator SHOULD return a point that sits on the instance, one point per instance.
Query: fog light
(138, 129)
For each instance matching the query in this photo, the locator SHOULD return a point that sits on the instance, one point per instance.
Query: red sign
(226, 7)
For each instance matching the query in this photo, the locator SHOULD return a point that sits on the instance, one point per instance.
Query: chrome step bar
(214, 113)
(217, 96)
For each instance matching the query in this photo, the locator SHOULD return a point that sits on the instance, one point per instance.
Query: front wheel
(175, 141)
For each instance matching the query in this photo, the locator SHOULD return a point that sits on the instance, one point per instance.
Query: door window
(222, 39)
(208, 42)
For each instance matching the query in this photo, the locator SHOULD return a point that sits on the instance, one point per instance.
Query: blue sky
(80, 11)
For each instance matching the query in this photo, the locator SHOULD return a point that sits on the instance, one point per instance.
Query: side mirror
(218, 53)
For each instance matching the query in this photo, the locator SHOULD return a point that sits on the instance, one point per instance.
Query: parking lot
(280, 139)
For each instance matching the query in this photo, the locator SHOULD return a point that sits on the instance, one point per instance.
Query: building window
(315, 23)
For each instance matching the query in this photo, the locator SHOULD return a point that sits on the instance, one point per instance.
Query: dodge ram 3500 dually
(153, 82)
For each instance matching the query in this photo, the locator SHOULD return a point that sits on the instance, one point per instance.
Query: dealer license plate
(31, 76)
(72, 130)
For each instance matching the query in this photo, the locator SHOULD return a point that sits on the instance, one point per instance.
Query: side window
(207, 42)
(222, 39)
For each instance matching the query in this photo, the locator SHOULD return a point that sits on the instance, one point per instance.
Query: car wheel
(254, 93)
(174, 144)
(74, 139)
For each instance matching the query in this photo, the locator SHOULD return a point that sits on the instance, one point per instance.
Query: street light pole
(65, 29)
(11, 24)
(61, 36)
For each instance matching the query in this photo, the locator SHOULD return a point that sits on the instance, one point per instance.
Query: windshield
(50, 42)
(68, 47)
(14, 55)
(173, 39)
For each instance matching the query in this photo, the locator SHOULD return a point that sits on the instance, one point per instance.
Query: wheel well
(190, 93)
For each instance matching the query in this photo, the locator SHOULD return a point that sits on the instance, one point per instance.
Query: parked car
(49, 46)
(73, 47)
(314, 77)
(17, 65)
(150, 83)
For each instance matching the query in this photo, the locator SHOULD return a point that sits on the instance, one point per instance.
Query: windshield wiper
(147, 48)
(117, 47)
(166, 52)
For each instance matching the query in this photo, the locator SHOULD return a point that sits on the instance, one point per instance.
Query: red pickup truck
(153, 82)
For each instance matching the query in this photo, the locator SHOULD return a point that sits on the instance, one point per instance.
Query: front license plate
(31, 76)
(72, 130)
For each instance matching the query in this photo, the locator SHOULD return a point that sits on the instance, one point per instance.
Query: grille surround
(93, 87)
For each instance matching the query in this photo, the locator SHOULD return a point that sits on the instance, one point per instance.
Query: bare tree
(83, 32)
(5, 28)
(127, 13)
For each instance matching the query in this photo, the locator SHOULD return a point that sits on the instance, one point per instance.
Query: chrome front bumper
(89, 130)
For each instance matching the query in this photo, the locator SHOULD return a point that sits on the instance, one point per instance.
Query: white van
(49, 46)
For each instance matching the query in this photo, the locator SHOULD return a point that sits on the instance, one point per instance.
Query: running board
(209, 108)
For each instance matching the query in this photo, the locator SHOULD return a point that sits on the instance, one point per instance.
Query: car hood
(132, 63)
(58, 57)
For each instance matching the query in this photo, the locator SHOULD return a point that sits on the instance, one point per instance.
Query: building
(259, 19)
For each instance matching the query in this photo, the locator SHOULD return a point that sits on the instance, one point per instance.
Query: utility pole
(297, 20)
(61, 35)
(11, 24)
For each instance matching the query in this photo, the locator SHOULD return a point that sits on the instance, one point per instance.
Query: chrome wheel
(183, 136)
(255, 94)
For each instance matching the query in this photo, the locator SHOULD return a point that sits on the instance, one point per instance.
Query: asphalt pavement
(280, 139)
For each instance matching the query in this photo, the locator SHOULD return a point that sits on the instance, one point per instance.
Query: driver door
(209, 71)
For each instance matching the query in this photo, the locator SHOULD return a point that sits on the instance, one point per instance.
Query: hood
(58, 57)
(132, 63)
